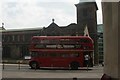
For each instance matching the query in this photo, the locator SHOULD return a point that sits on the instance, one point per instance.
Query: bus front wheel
(74, 65)
(34, 65)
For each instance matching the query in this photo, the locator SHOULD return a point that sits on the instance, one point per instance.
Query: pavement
(15, 61)
(23, 72)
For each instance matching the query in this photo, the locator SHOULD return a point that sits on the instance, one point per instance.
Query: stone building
(16, 42)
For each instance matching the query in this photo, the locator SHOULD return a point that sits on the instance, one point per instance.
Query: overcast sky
(19, 14)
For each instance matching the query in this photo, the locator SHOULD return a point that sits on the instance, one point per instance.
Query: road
(24, 71)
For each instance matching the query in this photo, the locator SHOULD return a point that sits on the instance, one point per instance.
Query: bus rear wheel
(34, 65)
(74, 65)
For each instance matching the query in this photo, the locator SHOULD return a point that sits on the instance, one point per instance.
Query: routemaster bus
(60, 51)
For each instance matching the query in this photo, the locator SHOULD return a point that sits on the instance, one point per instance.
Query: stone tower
(87, 16)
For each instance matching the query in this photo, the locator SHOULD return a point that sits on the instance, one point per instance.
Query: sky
(19, 14)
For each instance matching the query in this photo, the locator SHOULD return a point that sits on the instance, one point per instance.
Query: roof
(60, 37)
(17, 30)
(53, 25)
(2, 28)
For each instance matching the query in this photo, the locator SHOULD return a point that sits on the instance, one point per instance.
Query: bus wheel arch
(74, 65)
(34, 65)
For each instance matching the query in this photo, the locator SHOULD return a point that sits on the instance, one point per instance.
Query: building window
(18, 38)
(8, 38)
(23, 37)
(3, 38)
(13, 38)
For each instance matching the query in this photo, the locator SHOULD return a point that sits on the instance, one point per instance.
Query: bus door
(45, 60)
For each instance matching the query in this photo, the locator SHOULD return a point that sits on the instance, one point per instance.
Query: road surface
(24, 71)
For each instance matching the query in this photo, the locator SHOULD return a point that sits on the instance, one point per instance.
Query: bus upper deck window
(84, 40)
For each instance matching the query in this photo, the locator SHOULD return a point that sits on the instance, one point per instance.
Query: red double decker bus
(60, 51)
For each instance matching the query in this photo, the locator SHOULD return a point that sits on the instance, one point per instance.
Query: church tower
(87, 16)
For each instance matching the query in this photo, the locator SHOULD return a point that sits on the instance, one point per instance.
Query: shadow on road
(86, 69)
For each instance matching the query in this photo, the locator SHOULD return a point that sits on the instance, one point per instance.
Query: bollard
(87, 67)
(3, 65)
(19, 65)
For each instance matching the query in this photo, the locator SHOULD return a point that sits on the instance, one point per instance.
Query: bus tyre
(34, 65)
(74, 65)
